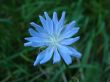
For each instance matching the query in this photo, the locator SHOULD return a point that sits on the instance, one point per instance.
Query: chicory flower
(56, 37)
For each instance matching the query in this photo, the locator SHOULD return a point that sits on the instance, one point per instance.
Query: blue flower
(56, 37)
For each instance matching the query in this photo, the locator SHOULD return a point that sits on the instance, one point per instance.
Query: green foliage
(16, 61)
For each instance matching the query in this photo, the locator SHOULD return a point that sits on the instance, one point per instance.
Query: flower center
(54, 41)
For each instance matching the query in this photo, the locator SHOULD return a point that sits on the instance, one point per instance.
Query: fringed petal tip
(26, 44)
(79, 55)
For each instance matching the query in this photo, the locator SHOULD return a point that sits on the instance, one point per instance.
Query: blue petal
(38, 34)
(69, 33)
(65, 55)
(69, 41)
(69, 26)
(55, 22)
(32, 32)
(48, 55)
(37, 27)
(47, 16)
(55, 19)
(75, 53)
(36, 39)
(65, 49)
(62, 19)
(49, 23)
(39, 57)
(61, 23)
(43, 21)
(56, 56)
(42, 35)
(35, 44)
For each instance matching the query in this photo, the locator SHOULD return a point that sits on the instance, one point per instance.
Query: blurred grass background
(16, 61)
